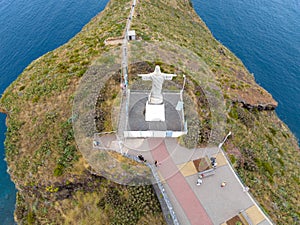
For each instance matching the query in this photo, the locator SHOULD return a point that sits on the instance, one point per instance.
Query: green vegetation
(115, 205)
(68, 149)
(105, 104)
(40, 147)
(184, 28)
(267, 161)
(56, 184)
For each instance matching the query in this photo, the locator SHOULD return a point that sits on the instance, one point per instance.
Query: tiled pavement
(185, 196)
(208, 203)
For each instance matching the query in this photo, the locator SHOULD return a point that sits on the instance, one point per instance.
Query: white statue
(157, 78)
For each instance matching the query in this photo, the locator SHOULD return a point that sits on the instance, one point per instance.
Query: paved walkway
(208, 203)
(189, 202)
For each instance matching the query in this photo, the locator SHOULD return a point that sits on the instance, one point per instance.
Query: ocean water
(7, 188)
(28, 29)
(264, 34)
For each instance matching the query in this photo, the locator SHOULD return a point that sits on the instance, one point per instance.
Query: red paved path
(189, 202)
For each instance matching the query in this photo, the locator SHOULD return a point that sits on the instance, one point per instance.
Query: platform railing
(162, 192)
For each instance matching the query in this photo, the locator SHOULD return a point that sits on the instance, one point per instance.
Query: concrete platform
(136, 121)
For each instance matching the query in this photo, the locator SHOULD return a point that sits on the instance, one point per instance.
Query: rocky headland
(55, 183)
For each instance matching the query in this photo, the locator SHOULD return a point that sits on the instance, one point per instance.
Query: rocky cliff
(56, 185)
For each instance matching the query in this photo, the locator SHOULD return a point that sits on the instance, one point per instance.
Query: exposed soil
(201, 164)
(235, 221)
(104, 104)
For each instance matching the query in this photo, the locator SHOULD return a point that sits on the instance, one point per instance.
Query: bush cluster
(140, 201)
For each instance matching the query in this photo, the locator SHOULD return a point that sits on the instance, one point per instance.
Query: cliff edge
(55, 183)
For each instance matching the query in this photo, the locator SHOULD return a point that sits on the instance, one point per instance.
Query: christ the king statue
(158, 78)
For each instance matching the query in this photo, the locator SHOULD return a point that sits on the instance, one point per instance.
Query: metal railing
(245, 188)
(162, 192)
(165, 196)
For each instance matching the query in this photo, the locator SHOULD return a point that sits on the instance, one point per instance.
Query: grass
(40, 139)
(115, 205)
(267, 162)
(105, 104)
(41, 98)
(40, 147)
(266, 158)
(186, 29)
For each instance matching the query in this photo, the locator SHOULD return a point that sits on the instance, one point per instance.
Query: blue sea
(264, 34)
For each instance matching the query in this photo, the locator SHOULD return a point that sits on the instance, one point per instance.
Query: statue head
(157, 70)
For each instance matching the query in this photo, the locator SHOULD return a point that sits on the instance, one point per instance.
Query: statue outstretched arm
(146, 76)
(168, 76)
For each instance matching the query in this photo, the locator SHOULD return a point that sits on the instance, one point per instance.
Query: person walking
(156, 163)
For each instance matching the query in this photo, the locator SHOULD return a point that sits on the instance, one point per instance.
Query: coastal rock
(259, 106)
(46, 140)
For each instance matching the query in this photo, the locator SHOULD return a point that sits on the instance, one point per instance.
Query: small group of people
(214, 164)
(156, 163)
(199, 180)
(141, 158)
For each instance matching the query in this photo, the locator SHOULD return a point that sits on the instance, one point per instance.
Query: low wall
(155, 133)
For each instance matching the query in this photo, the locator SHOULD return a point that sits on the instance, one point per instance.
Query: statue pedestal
(155, 112)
